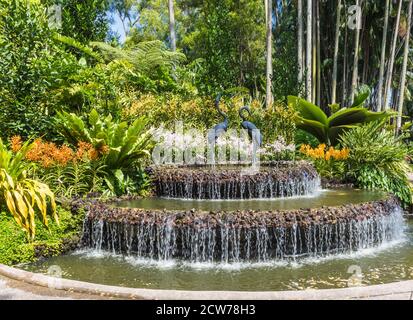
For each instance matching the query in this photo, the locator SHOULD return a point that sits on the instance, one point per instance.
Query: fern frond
(79, 46)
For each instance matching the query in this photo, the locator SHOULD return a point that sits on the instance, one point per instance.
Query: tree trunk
(392, 56)
(314, 54)
(335, 58)
(172, 24)
(300, 42)
(383, 57)
(268, 97)
(356, 57)
(404, 67)
(318, 53)
(344, 98)
(309, 59)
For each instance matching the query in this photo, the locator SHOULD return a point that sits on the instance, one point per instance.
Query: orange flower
(16, 143)
(321, 153)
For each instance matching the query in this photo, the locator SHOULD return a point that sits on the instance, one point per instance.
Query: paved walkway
(11, 289)
(19, 284)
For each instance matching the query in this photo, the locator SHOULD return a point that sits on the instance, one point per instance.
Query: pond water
(392, 261)
(334, 197)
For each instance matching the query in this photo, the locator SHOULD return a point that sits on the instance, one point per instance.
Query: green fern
(144, 57)
(127, 143)
(79, 46)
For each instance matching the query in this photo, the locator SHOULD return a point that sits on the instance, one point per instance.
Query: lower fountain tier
(199, 236)
(271, 180)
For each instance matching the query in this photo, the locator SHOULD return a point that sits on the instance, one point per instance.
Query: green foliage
(74, 179)
(79, 46)
(377, 159)
(229, 37)
(85, 20)
(23, 197)
(150, 59)
(303, 137)
(285, 68)
(15, 249)
(126, 143)
(123, 146)
(312, 118)
(199, 112)
(277, 121)
(31, 68)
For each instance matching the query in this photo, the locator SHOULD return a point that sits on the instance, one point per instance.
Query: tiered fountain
(225, 214)
(270, 223)
(230, 213)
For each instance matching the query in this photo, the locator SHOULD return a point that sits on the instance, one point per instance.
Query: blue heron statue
(220, 128)
(253, 132)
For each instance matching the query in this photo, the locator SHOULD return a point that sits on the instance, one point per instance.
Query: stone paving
(12, 289)
(17, 290)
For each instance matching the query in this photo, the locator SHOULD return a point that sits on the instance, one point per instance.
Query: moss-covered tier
(271, 180)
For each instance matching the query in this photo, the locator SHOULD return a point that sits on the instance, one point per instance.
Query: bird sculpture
(220, 128)
(253, 132)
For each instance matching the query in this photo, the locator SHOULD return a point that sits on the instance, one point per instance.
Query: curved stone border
(396, 290)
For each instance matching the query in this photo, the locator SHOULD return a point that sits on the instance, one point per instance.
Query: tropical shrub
(24, 197)
(199, 112)
(122, 146)
(312, 118)
(378, 159)
(68, 171)
(329, 161)
(51, 241)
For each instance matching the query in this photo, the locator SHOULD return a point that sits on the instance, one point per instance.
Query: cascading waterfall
(167, 236)
(235, 183)
(240, 188)
(241, 236)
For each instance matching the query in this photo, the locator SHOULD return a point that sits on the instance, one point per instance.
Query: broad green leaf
(307, 110)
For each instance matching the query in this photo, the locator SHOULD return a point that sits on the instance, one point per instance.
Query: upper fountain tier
(270, 180)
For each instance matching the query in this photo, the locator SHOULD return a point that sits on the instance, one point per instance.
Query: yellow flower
(320, 152)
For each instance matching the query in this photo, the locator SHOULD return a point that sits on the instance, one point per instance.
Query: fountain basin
(272, 180)
(227, 236)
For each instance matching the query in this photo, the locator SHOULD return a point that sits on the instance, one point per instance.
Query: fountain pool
(319, 198)
(390, 262)
(216, 228)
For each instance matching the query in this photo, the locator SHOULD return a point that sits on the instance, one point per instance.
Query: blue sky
(116, 26)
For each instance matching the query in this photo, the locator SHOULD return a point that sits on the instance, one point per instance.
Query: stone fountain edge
(395, 290)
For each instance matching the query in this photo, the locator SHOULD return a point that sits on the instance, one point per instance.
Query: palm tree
(356, 56)
(383, 57)
(268, 97)
(392, 56)
(309, 87)
(300, 41)
(172, 24)
(335, 58)
(404, 68)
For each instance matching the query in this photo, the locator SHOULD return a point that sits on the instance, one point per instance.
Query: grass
(15, 249)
